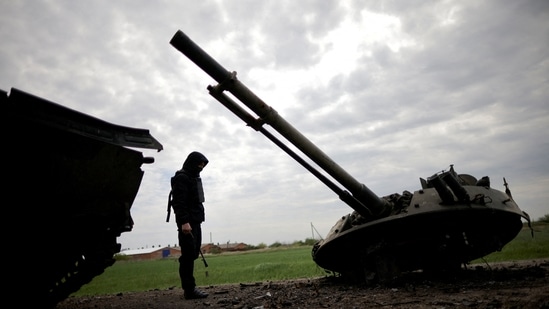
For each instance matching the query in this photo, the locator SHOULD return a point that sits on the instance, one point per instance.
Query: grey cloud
(468, 88)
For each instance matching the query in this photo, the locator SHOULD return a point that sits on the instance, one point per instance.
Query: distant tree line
(544, 219)
(297, 243)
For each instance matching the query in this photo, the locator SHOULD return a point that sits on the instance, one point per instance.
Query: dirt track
(523, 284)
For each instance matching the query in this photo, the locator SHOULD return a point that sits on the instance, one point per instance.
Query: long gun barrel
(363, 200)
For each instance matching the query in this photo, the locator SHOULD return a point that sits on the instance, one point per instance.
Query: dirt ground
(523, 284)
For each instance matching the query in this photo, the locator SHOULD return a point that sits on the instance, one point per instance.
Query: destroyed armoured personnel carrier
(449, 221)
(69, 182)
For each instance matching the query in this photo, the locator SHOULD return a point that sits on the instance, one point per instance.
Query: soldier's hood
(193, 160)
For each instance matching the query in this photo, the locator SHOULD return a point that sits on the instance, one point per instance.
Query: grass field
(524, 247)
(266, 265)
(250, 266)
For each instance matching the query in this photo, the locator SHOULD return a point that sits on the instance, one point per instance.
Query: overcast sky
(391, 90)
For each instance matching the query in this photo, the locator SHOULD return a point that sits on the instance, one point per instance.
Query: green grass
(266, 265)
(524, 246)
(246, 267)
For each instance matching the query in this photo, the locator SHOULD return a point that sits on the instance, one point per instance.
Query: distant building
(152, 253)
(210, 248)
(219, 248)
(233, 247)
(175, 252)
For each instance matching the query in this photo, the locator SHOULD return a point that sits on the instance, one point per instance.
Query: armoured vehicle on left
(70, 180)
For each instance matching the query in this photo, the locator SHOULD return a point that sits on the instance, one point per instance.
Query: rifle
(202, 255)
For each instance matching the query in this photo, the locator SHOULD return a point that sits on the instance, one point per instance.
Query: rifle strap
(169, 206)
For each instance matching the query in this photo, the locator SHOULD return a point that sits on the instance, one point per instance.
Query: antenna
(314, 229)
